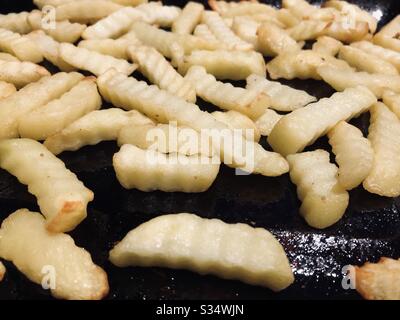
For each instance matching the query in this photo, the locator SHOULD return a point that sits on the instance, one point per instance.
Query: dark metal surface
(370, 229)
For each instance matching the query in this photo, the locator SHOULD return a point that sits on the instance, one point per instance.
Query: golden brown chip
(379, 281)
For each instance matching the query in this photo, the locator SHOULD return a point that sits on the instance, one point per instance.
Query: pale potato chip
(388, 55)
(61, 197)
(166, 138)
(124, 92)
(324, 200)
(58, 114)
(6, 89)
(273, 41)
(308, 30)
(204, 32)
(21, 73)
(303, 65)
(388, 36)
(131, 36)
(129, 2)
(368, 37)
(114, 25)
(20, 46)
(282, 98)
(354, 154)
(354, 12)
(246, 29)
(287, 18)
(379, 281)
(50, 49)
(228, 21)
(36, 253)
(158, 70)
(303, 126)
(158, 14)
(267, 122)
(188, 19)
(363, 61)
(250, 255)
(162, 40)
(177, 55)
(160, 105)
(327, 45)
(93, 61)
(347, 32)
(242, 8)
(63, 31)
(66, 31)
(85, 11)
(149, 170)
(225, 96)
(117, 48)
(341, 79)
(54, 3)
(387, 42)
(16, 22)
(31, 97)
(392, 100)
(223, 33)
(238, 121)
(383, 132)
(221, 6)
(94, 127)
(305, 11)
(227, 64)
(7, 57)
(261, 18)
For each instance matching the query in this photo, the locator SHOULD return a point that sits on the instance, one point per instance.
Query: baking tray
(369, 230)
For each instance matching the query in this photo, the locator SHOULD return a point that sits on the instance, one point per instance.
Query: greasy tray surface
(370, 229)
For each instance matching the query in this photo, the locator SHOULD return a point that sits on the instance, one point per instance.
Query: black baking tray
(369, 230)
